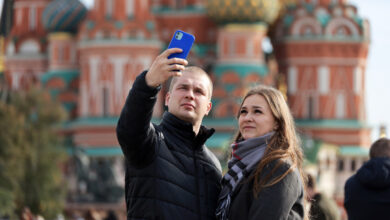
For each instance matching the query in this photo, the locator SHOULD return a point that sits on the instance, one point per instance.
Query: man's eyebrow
(182, 84)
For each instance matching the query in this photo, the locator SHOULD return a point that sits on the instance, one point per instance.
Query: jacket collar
(182, 131)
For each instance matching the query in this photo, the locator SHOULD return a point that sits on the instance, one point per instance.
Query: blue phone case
(181, 40)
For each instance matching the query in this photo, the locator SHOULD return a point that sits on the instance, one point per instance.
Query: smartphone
(181, 40)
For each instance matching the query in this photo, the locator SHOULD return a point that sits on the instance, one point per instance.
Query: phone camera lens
(178, 35)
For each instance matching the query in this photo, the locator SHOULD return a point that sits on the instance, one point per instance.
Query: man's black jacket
(170, 174)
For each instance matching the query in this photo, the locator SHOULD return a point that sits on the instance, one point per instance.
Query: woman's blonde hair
(284, 144)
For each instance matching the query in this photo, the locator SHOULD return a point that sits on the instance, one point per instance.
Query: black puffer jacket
(170, 174)
(367, 193)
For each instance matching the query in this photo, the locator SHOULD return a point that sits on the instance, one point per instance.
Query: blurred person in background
(367, 193)
(321, 206)
(26, 214)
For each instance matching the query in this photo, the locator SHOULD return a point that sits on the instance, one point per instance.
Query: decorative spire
(382, 131)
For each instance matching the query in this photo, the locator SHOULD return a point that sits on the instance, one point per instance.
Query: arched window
(11, 48)
(306, 26)
(308, 31)
(341, 32)
(29, 46)
(353, 165)
(341, 27)
(311, 107)
(340, 165)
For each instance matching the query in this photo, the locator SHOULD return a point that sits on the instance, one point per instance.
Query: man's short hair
(380, 148)
(195, 70)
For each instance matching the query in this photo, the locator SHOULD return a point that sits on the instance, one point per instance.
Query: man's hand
(162, 68)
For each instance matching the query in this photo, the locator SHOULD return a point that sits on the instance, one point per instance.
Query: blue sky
(377, 73)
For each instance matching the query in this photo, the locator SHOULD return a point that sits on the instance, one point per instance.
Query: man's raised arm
(135, 133)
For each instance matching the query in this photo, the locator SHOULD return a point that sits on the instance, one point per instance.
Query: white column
(32, 18)
(84, 105)
(94, 73)
(340, 106)
(146, 61)
(323, 80)
(357, 80)
(118, 64)
(292, 80)
(130, 8)
(15, 80)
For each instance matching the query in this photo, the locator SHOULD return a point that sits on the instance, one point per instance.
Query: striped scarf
(245, 156)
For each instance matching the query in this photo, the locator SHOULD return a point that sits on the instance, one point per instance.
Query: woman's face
(255, 117)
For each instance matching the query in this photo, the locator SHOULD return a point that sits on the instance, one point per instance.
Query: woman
(265, 177)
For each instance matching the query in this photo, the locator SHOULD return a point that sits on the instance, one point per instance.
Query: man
(170, 174)
(321, 206)
(367, 193)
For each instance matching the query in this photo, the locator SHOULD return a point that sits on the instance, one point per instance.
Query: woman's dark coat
(284, 200)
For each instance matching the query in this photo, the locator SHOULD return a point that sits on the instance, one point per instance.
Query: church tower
(26, 45)
(322, 48)
(241, 61)
(61, 19)
(116, 42)
(189, 16)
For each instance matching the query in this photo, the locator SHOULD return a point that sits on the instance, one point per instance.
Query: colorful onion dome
(63, 15)
(225, 11)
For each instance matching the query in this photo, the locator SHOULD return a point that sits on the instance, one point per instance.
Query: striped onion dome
(63, 15)
(226, 11)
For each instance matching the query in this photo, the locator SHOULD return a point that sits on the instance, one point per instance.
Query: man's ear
(167, 97)
(209, 107)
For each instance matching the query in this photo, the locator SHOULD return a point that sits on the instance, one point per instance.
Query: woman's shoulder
(280, 167)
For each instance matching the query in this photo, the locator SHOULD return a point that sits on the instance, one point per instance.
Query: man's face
(189, 98)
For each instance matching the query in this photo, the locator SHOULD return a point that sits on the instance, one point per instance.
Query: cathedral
(314, 51)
